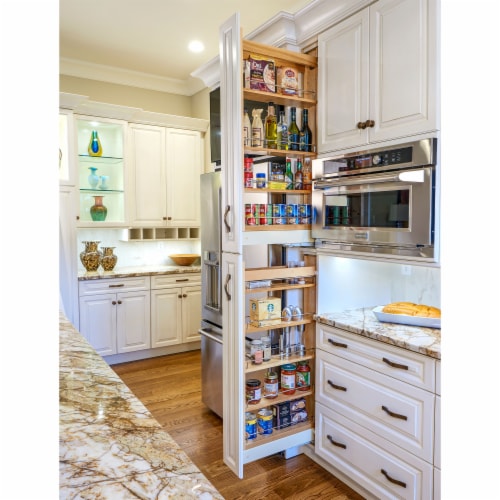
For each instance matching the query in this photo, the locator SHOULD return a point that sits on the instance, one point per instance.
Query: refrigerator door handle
(210, 335)
(228, 295)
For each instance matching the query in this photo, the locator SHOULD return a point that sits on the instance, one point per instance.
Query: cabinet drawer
(168, 281)
(362, 456)
(396, 411)
(105, 285)
(410, 367)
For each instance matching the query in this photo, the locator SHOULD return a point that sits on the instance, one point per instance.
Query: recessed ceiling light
(196, 46)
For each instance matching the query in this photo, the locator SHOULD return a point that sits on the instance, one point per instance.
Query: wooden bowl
(184, 259)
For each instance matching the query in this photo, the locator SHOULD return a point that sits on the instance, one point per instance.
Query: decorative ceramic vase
(98, 211)
(93, 178)
(109, 259)
(95, 148)
(91, 256)
(104, 182)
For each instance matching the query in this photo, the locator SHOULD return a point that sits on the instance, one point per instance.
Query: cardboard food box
(287, 80)
(265, 312)
(262, 73)
(281, 415)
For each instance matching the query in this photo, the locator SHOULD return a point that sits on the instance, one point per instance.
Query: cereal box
(262, 73)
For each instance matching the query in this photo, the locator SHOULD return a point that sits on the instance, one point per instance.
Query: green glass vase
(98, 211)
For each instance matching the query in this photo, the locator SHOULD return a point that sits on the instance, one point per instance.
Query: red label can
(250, 219)
(248, 179)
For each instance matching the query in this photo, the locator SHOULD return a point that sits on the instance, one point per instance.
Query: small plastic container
(266, 347)
(261, 180)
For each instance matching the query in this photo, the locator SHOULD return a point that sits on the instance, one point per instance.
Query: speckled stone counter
(110, 445)
(130, 272)
(363, 322)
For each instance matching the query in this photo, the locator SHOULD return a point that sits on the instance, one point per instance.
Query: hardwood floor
(170, 387)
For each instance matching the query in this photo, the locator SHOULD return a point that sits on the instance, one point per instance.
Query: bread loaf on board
(411, 309)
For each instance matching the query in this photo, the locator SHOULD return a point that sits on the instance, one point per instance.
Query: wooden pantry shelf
(278, 272)
(308, 425)
(276, 360)
(283, 324)
(265, 402)
(278, 287)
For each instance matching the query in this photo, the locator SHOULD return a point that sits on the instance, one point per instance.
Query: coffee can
(250, 426)
(265, 421)
(279, 213)
(304, 213)
(292, 213)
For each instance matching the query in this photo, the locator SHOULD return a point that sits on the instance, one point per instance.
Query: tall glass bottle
(247, 129)
(257, 129)
(271, 127)
(289, 174)
(95, 148)
(299, 179)
(305, 133)
(282, 132)
(293, 131)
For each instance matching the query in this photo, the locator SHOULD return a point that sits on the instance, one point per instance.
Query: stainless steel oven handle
(406, 176)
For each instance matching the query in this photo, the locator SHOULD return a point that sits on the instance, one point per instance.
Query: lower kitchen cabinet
(376, 414)
(115, 314)
(175, 309)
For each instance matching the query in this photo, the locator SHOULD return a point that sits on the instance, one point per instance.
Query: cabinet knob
(164, 218)
(113, 302)
(361, 125)
(77, 217)
(119, 302)
(184, 295)
(180, 296)
(370, 123)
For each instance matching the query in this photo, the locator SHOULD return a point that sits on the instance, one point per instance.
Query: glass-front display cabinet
(101, 171)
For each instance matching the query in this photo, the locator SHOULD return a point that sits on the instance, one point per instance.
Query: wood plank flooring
(170, 387)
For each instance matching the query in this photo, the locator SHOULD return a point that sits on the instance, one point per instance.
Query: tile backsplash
(136, 253)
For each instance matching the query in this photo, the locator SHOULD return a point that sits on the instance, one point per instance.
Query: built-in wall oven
(380, 201)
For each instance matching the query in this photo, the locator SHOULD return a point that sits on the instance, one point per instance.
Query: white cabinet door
(147, 178)
(343, 80)
(184, 166)
(166, 317)
(98, 322)
(231, 134)
(191, 313)
(403, 62)
(133, 321)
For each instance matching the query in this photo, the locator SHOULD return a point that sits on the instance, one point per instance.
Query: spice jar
(257, 351)
(261, 180)
(303, 376)
(266, 347)
(253, 391)
(271, 386)
(288, 372)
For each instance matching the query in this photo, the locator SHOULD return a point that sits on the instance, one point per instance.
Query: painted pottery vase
(98, 211)
(93, 178)
(91, 256)
(109, 259)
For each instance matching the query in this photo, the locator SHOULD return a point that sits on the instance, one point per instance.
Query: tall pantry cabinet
(237, 368)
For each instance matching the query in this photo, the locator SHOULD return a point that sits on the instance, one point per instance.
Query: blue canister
(265, 421)
(250, 426)
(292, 213)
(279, 213)
(304, 214)
(261, 180)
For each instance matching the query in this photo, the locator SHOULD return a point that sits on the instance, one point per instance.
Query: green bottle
(293, 131)
(289, 174)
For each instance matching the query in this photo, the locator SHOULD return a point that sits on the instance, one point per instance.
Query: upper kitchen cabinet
(377, 76)
(67, 175)
(164, 176)
(101, 171)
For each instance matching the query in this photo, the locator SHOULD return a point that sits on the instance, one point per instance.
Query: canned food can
(292, 213)
(248, 176)
(304, 214)
(265, 421)
(250, 219)
(250, 426)
(264, 218)
(279, 213)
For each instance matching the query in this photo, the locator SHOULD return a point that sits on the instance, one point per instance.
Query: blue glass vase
(93, 178)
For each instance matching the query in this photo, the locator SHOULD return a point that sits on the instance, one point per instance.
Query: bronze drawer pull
(337, 344)
(179, 280)
(228, 295)
(394, 365)
(228, 227)
(395, 415)
(395, 481)
(338, 387)
(116, 286)
(340, 445)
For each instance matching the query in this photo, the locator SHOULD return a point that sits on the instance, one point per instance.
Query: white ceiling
(150, 37)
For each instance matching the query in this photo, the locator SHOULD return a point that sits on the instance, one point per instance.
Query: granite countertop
(110, 445)
(364, 322)
(131, 271)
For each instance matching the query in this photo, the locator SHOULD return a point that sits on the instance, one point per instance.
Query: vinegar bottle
(289, 174)
(307, 173)
(95, 148)
(271, 127)
(293, 131)
(257, 129)
(305, 133)
(282, 132)
(299, 178)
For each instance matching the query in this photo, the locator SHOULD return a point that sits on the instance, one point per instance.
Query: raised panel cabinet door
(147, 180)
(343, 67)
(166, 317)
(184, 164)
(403, 68)
(191, 313)
(133, 320)
(98, 322)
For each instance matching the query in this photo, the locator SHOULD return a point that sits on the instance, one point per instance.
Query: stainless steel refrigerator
(211, 324)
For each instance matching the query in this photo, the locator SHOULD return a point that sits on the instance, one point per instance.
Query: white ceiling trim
(120, 76)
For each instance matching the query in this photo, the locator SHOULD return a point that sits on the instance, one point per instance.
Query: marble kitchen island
(110, 446)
